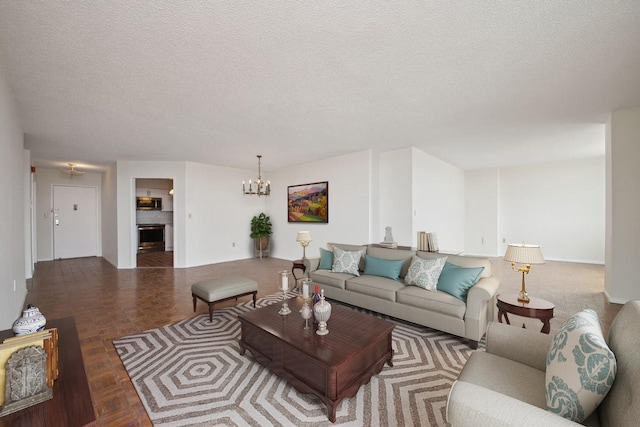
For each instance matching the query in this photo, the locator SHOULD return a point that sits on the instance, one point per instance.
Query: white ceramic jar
(31, 321)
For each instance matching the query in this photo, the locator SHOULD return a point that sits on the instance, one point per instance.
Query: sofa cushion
(389, 268)
(389, 253)
(438, 302)
(375, 286)
(505, 376)
(345, 247)
(456, 280)
(346, 261)
(461, 261)
(580, 367)
(326, 260)
(326, 277)
(425, 272)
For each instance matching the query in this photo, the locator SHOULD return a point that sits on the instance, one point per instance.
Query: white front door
(75, 222)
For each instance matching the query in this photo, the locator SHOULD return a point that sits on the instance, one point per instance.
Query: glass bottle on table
(315, 299)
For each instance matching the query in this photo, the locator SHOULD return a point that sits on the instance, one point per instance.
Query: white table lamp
(304, 238)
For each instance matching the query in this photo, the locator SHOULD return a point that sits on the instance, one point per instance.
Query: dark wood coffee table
(537, 308)
(331, 367)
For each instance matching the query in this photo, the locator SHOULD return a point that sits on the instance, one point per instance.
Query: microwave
(148, 203)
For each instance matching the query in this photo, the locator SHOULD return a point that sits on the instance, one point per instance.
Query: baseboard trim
(615, 300)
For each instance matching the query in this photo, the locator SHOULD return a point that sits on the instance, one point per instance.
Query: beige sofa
(437, 310)
(505, 386)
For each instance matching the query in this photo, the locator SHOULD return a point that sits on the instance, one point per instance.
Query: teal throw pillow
(580, 367)
(326, 259)
(389, 268)
(346, 261)
(425, 273)
(457, 281)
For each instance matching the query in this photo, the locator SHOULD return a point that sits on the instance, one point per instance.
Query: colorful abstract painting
(308, 202)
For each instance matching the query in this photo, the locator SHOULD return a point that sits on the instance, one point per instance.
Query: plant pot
(261, 243)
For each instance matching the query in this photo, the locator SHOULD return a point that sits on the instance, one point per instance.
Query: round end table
(537, 308)
(298, 264)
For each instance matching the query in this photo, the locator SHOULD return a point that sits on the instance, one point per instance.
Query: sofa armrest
(521, 345)
(475, 406)
(480, 301)
(312, 264)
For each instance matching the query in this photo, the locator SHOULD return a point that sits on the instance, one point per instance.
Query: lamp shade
(524, 254)
(303, 236)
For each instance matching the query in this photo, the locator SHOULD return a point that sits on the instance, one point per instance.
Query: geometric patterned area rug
(190, 373)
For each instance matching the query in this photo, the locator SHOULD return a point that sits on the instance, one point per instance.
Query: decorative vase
(322, 311)
(306, 314)
(31, 321)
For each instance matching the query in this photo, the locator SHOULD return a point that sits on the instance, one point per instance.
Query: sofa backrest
(461, 261)
(620, 407)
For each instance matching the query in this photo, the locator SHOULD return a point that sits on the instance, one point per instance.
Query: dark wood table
(331, 367)
(71, 403)
(536, 308)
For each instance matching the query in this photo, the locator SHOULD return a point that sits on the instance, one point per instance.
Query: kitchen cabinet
(168, 237)
(167, 201)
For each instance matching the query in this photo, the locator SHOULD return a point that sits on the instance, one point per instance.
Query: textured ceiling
(477, 84)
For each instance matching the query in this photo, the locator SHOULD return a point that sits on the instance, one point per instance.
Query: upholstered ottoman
(222, 289)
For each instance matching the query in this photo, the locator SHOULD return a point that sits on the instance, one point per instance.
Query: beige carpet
(191, 373)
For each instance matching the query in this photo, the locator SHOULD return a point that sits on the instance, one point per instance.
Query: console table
(71, 403)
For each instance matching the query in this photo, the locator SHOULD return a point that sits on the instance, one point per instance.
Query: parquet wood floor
(155, 259)
(108, 303)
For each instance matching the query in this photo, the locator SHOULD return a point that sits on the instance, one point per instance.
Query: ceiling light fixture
(72, 171)
(258, 187)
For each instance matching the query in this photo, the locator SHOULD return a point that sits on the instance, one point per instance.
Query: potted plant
(261, 231)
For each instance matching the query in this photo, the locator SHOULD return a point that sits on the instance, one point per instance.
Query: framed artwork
(308, 202)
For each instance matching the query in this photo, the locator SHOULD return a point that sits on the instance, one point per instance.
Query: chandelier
(258, 187)
(72, 171)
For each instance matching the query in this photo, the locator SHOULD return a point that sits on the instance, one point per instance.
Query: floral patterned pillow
(425, 272)
(346, 261)
(580, 368)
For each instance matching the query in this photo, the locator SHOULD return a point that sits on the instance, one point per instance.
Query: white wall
(438, 201)
(481, 212)
(210, 213)
(395, 196)
(13, 287)
(623, 205)
(218, 215)
(350, 189)
(109, 215)
(45, 179)
(560, 206)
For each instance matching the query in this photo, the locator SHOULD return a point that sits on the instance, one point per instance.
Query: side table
(298, 264)
(537, 308)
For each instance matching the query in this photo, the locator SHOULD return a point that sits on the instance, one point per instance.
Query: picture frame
(308, 203)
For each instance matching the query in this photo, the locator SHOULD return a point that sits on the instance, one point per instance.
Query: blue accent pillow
(389, 268)
(457, 281)
(326, 259)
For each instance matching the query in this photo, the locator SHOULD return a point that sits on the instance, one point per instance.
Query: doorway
(154, 222)
(75, 222)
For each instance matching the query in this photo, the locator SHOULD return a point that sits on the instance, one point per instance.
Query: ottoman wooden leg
(254, 299)
(211, 311)
(194, 302)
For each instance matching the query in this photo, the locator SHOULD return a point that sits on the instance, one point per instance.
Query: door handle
(57, 222)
